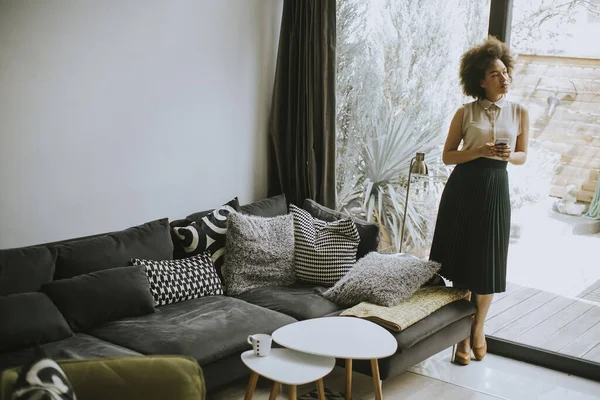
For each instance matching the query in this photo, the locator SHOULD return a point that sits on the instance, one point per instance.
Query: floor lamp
(417, 167)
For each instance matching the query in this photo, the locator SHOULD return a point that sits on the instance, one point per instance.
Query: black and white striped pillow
(323, 251)
(172, 281)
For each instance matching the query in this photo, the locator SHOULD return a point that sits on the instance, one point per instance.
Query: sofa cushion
(433, 323)
(151, 240)
(205, 231)
(40, 378)
(382, 279)
(259, 252)
(172, 281)
(323, 251)
(429, 325)
(207, 328)
(102, 296)
(300, 300)
(78, 346)
(178, 251)
(36, 263)
(30, 318)
(269, 207)
(368, 231)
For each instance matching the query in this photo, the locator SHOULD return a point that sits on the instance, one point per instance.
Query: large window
(397, 90)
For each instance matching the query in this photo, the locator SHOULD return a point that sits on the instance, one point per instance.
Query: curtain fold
(302, 121)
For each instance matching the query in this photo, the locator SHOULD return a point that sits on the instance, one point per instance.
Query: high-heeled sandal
(481, 351)
(461, 358)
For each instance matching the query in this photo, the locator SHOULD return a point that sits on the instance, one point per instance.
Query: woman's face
(496, 79)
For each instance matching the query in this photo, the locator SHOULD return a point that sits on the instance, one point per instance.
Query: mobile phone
(502, 142)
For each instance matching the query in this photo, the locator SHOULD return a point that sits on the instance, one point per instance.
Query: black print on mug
(258, 340)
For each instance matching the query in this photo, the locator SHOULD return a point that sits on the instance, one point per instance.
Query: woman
(473, 223)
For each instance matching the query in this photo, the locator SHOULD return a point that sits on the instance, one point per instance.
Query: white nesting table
(341, 337)
(288, 367)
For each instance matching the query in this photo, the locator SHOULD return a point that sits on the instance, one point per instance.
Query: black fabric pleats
(472, 231)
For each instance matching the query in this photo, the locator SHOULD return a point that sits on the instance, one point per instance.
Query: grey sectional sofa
(212, 330)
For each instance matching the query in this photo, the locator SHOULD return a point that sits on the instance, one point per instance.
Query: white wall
(117, 112)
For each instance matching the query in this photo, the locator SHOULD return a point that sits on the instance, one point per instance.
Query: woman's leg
(465, 345)
(483, 302)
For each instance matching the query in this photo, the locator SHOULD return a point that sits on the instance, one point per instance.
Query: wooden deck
(545, 320)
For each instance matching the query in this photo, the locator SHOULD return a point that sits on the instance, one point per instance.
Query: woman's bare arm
(520, 155)
(451, 155)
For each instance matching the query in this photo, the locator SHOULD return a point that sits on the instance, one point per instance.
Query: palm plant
(376, 189)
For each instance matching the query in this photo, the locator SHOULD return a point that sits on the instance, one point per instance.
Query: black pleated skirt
(472, 231)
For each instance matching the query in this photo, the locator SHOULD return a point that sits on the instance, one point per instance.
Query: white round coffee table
(289, 367)
(341, 337)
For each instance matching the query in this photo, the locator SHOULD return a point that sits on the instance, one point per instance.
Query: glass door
(553, 297)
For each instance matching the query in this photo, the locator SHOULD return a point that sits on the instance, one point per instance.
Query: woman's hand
(503, 152)
(487, 150)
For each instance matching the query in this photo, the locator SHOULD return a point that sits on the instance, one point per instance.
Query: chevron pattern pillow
(172, 281)
(323, 251)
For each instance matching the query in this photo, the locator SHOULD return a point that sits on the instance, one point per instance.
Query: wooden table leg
(251, 386)
(348, 379)
(376, 380)
(321, 389)
(293, 392)
(274, 391)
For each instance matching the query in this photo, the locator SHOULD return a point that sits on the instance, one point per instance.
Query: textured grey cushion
(384, 279)
(259, 252)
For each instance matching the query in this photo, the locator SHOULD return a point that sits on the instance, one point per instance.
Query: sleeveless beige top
(485, 121)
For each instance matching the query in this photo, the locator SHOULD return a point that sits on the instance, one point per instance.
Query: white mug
(261, 344)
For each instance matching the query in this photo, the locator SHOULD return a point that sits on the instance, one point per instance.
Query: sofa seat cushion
(300, 300)
(207, 328)
(78, 346)
(433, 323)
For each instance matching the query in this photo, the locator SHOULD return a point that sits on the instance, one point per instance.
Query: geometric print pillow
(206, 232)
(323, 251)
(172, 281)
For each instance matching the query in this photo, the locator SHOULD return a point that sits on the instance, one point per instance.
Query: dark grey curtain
(302, 120)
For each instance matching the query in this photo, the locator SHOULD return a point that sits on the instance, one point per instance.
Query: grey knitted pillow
(383, 279)
(259, 252)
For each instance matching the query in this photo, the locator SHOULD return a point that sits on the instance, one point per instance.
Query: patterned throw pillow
(206, 231)
(323, 251)
(172, 281)
(43, 379)
(260, 252)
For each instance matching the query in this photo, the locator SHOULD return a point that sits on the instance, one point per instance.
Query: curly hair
(475, 61)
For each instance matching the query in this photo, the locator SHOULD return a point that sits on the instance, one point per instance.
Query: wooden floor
(547, 321)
